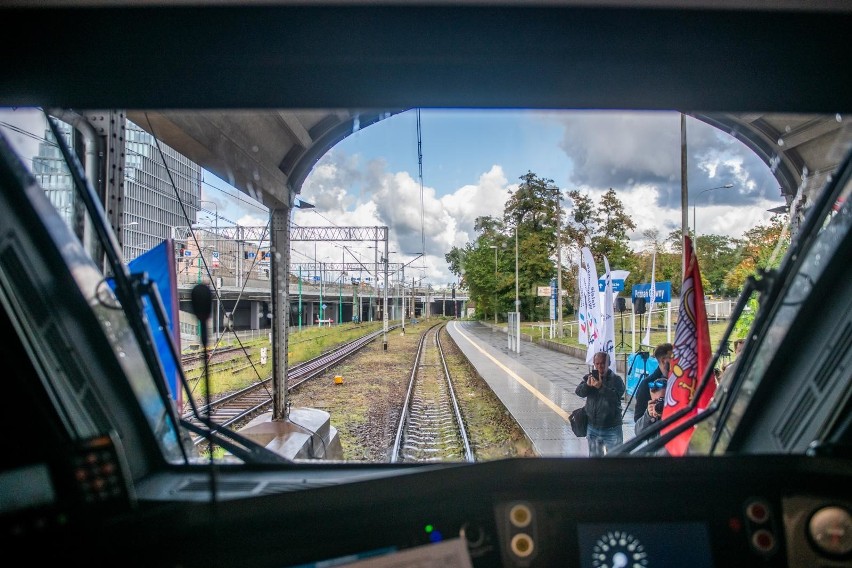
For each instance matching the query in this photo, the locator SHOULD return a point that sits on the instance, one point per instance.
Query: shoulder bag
(579, 422)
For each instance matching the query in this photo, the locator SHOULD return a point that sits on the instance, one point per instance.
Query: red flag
(691, 353)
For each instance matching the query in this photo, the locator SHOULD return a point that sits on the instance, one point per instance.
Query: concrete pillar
(255, 313)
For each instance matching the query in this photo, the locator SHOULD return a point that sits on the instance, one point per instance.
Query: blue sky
(472, 158)
(457, 146)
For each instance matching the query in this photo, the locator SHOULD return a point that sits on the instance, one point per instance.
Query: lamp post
(558, 262)
(517, 300)
(495, 282)
(299, 204)
(694, 201)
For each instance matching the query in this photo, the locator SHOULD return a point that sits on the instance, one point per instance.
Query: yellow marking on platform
(515, 376)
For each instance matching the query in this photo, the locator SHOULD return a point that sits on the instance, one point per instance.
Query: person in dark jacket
(603, 391)
(654, 406)
(653, 411)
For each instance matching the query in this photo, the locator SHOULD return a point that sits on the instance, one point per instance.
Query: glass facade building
(156, 198)
(155, 194)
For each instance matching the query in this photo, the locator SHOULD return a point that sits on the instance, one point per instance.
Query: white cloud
(377, 197)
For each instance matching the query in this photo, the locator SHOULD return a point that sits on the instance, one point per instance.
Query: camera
(658, 405)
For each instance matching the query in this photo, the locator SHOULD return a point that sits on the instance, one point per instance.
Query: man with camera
(654, 407)
(602, 390)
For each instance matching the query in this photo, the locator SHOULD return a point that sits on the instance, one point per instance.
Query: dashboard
(614, 512)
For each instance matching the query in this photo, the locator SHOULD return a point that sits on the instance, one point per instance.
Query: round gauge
(830, 530)
(618, 549)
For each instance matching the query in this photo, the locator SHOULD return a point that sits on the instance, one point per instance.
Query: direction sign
(663, 291)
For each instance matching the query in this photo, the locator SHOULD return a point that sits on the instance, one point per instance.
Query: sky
(471, 159)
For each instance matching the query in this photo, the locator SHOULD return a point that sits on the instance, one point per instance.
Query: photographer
(602, 390)
(654, 407)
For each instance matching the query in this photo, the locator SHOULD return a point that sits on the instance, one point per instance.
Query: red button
(763, 540)
(757, 512)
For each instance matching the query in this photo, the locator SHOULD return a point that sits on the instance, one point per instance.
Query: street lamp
(517, 300)
(694, 201)
(559, 262)
(495, 282)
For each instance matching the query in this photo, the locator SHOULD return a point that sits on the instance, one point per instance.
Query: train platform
(536, 386)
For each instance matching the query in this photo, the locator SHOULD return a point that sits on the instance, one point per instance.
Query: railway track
(431, 427)
(191, 359)
(242, 405)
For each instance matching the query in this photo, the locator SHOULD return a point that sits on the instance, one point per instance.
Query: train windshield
(417, 282)
(433, 284)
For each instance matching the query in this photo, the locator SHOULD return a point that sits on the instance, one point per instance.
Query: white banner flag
(582, 312)
(651, 297)
(593, 312)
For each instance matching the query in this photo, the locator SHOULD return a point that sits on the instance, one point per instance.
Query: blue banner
(663, 291)
(552, 299)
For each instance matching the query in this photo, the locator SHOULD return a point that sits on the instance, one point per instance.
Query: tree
(762, 247)
(530, 215)
(602, 227)
(455, 260)
(611, 239)
(718, 255)
(474, 265)
(532, 211)
(581, 224)
(668, 264)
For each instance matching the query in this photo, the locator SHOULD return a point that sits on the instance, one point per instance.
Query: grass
(302, 346)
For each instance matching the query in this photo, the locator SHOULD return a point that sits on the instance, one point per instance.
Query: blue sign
(639, 370)
(155, 263)
(617, 285)
(316, 278)
(552, 299)
(663, 291)
(187, 253)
